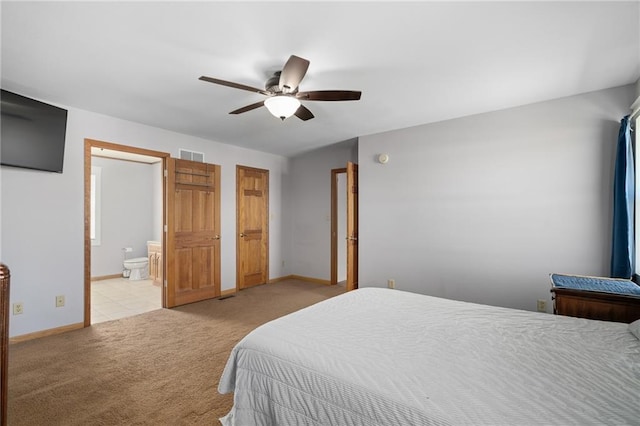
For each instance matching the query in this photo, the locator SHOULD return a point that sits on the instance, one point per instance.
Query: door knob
(351, 239)
(242, 234)
(217, 237)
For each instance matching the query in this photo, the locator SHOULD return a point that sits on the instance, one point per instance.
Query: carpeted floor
(160, 368)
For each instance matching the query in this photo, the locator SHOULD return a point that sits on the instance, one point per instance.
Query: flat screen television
(32, 132)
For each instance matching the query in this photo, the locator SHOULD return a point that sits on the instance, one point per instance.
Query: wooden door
(252, 226)
(352, 226)
(193, 232)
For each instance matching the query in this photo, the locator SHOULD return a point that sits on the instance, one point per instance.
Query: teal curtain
(622, 248)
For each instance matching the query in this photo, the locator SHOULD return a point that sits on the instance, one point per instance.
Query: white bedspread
(386, 357)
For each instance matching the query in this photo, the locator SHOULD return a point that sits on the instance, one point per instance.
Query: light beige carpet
(160, 368)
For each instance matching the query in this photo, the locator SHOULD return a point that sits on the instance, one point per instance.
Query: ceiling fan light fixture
(282, 106)
(283, 96)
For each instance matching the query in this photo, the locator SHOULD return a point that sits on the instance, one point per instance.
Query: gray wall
(130, 194)
(483, 208)
(455, 213)
(42, 237)
(310, 186)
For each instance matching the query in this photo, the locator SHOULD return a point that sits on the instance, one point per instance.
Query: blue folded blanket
(606, 285)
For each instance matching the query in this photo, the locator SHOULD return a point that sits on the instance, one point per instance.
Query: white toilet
(138, 268)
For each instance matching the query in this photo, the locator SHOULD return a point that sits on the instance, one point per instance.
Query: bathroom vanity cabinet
(154, 250)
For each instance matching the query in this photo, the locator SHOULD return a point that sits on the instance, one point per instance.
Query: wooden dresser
(595, 305)
(4, 343)
(594, 300)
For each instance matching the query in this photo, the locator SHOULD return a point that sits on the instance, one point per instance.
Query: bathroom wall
(157, 202)
(130, 193)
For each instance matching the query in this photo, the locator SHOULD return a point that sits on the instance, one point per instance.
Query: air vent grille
(185, 154)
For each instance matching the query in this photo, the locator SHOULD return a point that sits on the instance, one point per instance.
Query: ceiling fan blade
(303, 113)
(330, 95)
(247, 108)
(234, 85)
(293, 73)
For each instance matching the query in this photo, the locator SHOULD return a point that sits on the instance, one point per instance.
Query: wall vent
(185, 154)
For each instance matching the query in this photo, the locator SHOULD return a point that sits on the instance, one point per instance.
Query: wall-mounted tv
(33, 133)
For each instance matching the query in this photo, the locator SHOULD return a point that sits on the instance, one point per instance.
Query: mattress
(387, 357)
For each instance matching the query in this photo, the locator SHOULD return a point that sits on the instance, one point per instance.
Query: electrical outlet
(542, 305)
(59, 301)
(18, 308)
(391, 283)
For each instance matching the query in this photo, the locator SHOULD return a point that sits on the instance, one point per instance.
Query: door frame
(334, 223)
(352, 226)
(88, 144)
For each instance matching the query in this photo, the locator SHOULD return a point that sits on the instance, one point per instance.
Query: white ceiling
(415, 62)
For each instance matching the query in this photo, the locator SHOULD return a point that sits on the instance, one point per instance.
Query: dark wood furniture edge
(596, 294)
(596, 305)
(4, 341)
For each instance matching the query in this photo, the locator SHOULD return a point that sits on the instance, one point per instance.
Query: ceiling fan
(283, 97)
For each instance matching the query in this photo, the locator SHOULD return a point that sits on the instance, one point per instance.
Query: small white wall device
(383, 158)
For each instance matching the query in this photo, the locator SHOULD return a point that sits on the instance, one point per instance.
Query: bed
(386, 357)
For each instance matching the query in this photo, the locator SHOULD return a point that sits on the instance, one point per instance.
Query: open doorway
(338, 226)
(344, 226)
(111, 205)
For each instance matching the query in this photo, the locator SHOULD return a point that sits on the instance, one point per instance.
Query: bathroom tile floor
(118, 298)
